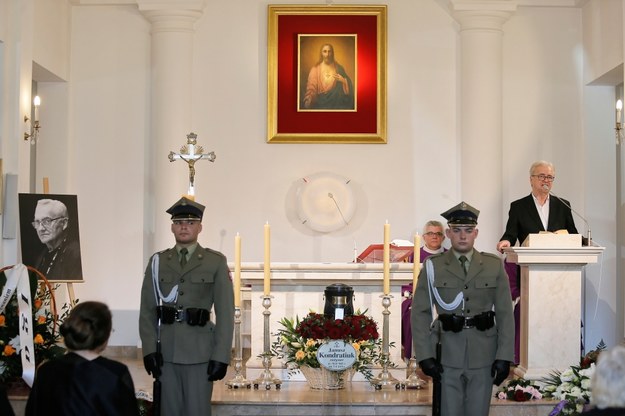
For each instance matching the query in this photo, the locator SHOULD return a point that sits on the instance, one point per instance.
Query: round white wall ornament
(325, 202)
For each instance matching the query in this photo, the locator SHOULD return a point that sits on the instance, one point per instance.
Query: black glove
(500, 371)
(153, 363)
(216, 370)
(431, 368)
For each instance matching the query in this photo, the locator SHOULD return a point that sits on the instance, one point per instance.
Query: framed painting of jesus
(326, 69)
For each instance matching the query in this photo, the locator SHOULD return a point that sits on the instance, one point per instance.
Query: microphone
(546, 188)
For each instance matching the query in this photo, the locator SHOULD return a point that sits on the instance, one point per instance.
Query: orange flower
(2, 320)
(41, 319)
(38, 304)
(8, 350)
(38, 339)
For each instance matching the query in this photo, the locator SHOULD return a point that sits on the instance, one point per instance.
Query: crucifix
(191, 153)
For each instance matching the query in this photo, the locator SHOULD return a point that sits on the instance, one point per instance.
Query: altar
(298, 288)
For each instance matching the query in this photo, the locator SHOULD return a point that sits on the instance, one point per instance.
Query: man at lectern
(183, 344)
(537, 211)
(532, 214)
(462, 302)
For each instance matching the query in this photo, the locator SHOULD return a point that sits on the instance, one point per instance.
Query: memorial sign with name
(336, 355)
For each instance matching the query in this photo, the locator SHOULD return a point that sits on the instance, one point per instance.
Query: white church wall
(603, 303)
(401, 182)
(52, 35)
(109, 108)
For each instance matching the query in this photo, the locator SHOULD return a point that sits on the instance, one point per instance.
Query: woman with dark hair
(82, 382)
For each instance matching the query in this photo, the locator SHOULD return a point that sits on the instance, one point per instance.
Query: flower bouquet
(298, 341)
(572, 386)
(45, 329)
(519, 390)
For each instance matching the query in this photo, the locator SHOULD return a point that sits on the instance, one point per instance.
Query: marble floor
(296, 398)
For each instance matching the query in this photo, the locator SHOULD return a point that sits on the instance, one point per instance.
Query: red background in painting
(364, 120)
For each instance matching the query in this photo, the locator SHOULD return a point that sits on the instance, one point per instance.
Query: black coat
(523, 219)
(74, 386)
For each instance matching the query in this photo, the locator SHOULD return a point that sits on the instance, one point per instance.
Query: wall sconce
(34, 126)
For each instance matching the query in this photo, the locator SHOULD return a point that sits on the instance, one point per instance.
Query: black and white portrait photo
(49, 235)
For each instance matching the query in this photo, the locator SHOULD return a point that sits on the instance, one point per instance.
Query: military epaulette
(218, 253)
(485, 253)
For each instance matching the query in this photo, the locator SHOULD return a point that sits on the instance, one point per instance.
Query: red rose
(519, 396)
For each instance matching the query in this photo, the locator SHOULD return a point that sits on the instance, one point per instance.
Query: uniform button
(486, 284)
(466, 286)
(466, 299)
(468, 310)
(181, 280)
(181, 293)
(445, 284)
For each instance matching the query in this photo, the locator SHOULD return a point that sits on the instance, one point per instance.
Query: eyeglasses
(547, 178)
(433, 234)
(46, 222)
(185, 222)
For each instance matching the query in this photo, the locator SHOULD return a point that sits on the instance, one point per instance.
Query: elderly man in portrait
(60, 259)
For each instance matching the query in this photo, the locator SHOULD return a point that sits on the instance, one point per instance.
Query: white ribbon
(18, 278)
(158, 295)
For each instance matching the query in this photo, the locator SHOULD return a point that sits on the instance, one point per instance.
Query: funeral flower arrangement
(298, 341)
(45, 331)
(572, 386)
(519, 390)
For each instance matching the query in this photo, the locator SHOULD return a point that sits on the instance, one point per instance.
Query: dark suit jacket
(523, 219)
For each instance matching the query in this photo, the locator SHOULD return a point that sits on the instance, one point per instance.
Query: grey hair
(433, 223)
(608, 381)
(539, 163)
(55, 204)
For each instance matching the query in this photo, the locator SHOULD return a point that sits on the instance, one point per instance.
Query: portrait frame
(32, 247)
(287, 121)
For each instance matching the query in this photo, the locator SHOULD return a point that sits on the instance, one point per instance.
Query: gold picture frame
(354, 108)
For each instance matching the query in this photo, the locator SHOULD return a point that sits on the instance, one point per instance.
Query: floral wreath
(46, 322)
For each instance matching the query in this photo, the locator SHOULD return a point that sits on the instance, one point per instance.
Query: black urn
(338, 295)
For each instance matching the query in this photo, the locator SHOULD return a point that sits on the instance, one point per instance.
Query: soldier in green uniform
(463, 300)
(181, 285)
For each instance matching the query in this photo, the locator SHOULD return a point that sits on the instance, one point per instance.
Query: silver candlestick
(413, 381)
(267, 378)
(385, 378)
(238, 380)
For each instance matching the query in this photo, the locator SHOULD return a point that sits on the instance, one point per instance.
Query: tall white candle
(387, 258)
(416, 267)
(237, 271)
(267, 263)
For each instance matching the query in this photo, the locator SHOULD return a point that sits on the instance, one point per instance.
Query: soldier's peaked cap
(461, 214)
(186, 208)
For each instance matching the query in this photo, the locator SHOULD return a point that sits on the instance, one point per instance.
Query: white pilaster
(172, 58)
(480, 112)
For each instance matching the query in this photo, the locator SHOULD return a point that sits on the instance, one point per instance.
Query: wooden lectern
(551, 301)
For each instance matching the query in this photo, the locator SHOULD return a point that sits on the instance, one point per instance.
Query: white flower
(567, 375)
(15, 343)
